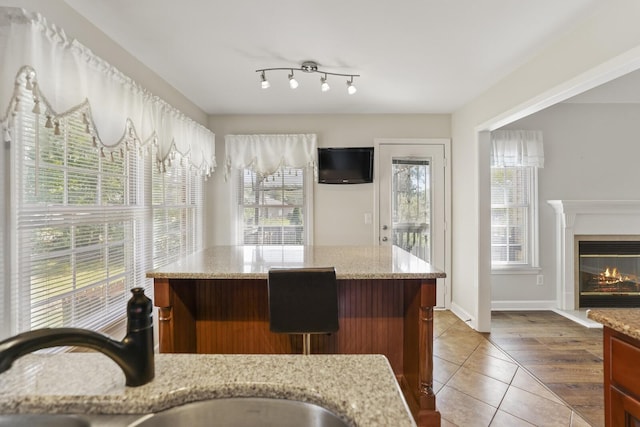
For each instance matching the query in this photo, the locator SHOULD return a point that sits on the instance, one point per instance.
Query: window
(513, 216)
(80, 201)
(272, 209)
(177, 200)
(81, 210)
(77, 222)
(516, 156)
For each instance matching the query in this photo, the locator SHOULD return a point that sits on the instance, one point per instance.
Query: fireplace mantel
(586, 217)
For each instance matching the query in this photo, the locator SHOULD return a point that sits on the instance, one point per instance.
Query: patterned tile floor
(478, 384)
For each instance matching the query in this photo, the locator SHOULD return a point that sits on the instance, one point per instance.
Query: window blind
(272, 207)
(177, 199)
(77, 221)
(5, 309)
(510, 213)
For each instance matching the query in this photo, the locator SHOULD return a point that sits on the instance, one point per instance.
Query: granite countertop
(361, 389)
(254, 262)
(623, 320)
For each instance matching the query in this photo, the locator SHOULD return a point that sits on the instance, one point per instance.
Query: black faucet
(134, 354)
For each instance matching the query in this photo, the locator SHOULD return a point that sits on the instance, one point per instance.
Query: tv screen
(351, 165)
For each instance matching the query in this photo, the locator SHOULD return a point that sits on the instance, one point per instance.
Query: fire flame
(613, 273)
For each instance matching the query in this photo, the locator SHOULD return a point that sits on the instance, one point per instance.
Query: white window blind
(78, 220)
(77, 228)
(177, 212)
(510, 214)
(5, 310)
(271, 208)
(516, 156)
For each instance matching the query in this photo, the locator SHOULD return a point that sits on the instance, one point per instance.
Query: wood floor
(565, 356)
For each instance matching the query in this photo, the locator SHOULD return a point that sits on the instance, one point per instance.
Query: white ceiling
(414, 56)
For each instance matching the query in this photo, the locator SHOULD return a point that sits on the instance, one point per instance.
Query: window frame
(237, 209)
(100, 270)
(531, 233)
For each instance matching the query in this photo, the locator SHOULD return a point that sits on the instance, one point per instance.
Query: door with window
(412, 202)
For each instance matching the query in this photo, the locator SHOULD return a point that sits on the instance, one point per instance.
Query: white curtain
(517, 148)
(264, 154)
(65, 76)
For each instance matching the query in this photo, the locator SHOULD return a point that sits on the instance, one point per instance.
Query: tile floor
(477, 384)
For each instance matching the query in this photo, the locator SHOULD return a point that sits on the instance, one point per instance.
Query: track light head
(264, 82)
(324, 86)
(293, 83)
(351, 89)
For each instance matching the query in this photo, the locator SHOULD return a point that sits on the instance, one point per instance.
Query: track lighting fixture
(308, 67)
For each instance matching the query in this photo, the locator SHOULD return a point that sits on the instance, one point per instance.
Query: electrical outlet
(539, 280)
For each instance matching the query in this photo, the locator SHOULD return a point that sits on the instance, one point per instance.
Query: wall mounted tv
(350, 165)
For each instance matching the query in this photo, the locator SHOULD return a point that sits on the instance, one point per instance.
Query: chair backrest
(303, 300)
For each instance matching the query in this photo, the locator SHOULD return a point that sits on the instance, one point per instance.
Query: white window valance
(64, 76)
(517, 148)
(264, 154)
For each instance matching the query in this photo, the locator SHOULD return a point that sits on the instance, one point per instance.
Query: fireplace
(579, 220)
(608, 273)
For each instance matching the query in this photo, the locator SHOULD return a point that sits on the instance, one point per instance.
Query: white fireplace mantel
(586, 217)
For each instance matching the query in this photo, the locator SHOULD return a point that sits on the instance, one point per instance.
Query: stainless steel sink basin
(244, 412)
(24, 420)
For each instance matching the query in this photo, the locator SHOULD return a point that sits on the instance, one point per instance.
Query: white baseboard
(523, 305)
(580, 317)
(463, 315)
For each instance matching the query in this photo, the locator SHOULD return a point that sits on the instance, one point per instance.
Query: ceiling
(414, 56)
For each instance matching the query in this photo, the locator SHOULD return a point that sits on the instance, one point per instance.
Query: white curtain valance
(517, 148)
(264, 154)
(65, 76)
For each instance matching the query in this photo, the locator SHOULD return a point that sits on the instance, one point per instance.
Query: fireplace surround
(576, 220)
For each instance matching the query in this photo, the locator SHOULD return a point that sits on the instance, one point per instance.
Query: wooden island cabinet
(215, 301)
(621, 337)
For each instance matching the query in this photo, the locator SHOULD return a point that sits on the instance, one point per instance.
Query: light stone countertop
(254, 262)
(623, 320)
(361, 389)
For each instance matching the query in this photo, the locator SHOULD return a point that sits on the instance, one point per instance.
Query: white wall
(602, 47)
(338, 209)
(591, 153)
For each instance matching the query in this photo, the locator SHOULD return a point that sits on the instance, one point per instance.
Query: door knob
(384, 239)
(384, 227)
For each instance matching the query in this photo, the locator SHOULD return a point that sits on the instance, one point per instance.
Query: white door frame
(446, 143)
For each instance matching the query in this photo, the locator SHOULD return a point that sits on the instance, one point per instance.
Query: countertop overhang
(254, 262)
(359, 388)
(623, 320)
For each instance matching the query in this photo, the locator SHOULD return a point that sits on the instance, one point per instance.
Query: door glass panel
(411, 206)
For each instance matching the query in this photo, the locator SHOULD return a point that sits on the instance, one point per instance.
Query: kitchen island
(621, 339)
(359, 389)
(215, 301)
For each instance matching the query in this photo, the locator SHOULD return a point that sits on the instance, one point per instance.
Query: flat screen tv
(350, 165)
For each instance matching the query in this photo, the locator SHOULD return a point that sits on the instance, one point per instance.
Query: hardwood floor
(533, 369)
(565, 356)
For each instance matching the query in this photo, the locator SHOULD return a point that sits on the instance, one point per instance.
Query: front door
(412, 202)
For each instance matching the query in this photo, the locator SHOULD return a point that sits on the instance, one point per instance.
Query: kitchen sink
(24, 420)
(228, 412)
(244, 412)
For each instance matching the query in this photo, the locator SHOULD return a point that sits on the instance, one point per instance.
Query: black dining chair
(303, 301)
